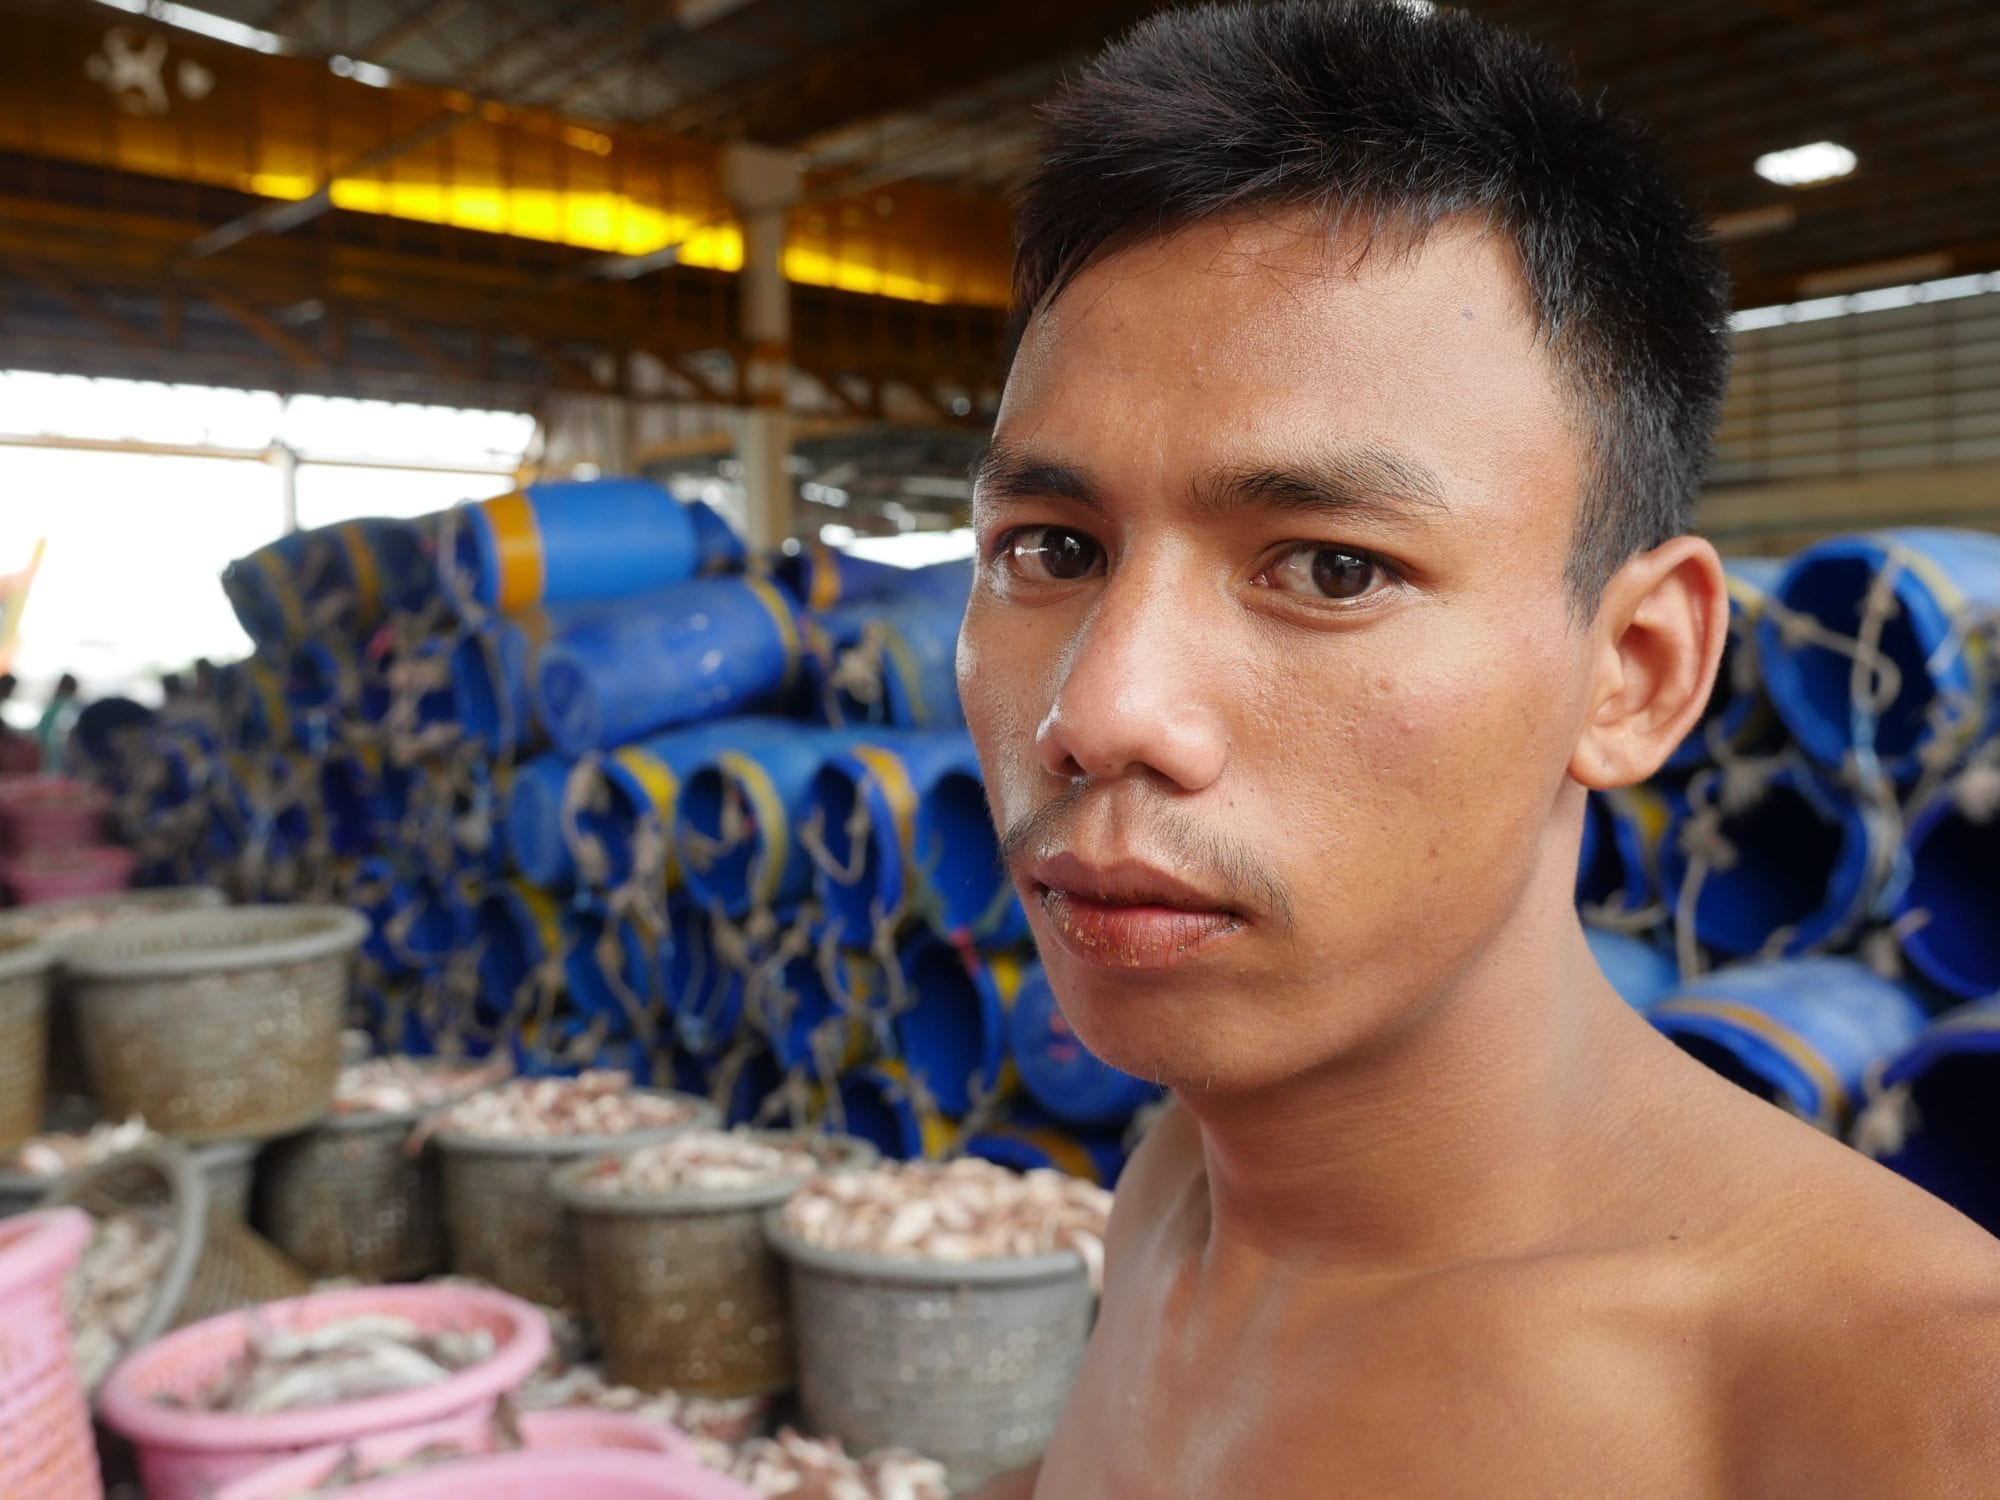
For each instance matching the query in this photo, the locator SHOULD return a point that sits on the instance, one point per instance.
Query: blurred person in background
(52, 729)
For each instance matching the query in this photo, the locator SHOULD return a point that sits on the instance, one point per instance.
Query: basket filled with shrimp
(942, 1307)
(498, 1149)
(344, 1468)
(233, 1394)
(43, 1163)
(358, 1194)
(677, 1274)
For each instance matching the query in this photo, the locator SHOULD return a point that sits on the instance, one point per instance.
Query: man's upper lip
(1122, 882)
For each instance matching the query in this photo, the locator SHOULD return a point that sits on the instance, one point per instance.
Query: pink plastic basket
(45, 1444)
(65, 874)
(575, 1474)
(185, 1454)
(48, 812)
(541, 1432)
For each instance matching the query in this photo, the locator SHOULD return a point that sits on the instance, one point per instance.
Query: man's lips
(1127, 914)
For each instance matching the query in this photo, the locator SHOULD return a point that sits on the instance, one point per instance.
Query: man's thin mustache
(1234, 873)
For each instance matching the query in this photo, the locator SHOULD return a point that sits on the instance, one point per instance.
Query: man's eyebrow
(1366, 480)
(1002, 473)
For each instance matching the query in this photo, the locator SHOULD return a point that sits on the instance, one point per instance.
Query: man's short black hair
(1379, 112)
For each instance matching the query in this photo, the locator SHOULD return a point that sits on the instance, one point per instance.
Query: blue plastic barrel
(864, 805)
(742, 1084)
(364, 799)
(1616, 868)
(700, 650)
(703, 988)
(263, 590)
(410, 918)
(612, 969)
(879, 1105)
(267, 717)
(1738, 715)
(628, 799)
(519, 930)
(820, 577)
(1954, 859)
(355, 573)
(534, 824)
(1027, 1140)
(965, 889)
(570, 540)
(953, 1032)
(322, 678)
(1808, 861)
(717, 547)
(737, 834)
(813, 1007)
(1801, 1033)
(1058, 1071)
(1942, 580)
(1935, 1112)
(890, 663)
(1640, 972)
(490, 673)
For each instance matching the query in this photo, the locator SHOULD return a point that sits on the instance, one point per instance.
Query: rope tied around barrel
(812, 838)
(585, 790)
(858, 672)
(629, 906)
(734, 824)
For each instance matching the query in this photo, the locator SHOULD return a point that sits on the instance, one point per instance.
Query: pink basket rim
(560, 1430)
(40, 1246)
(72, 859)
(575, 1470)
(125, 1408)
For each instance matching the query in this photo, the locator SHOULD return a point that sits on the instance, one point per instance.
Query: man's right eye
(1051, 554)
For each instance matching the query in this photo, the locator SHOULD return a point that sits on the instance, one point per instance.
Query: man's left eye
(1326, 573)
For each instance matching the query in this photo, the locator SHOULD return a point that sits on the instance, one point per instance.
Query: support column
(762, 183)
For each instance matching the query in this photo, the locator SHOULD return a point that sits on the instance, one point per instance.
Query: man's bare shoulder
(1856, 1322)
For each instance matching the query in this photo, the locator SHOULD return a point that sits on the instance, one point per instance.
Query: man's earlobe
(1658, 637)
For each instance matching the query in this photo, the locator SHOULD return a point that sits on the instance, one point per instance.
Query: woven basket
(59, 923)
(350, 1198)
(216, 1024)
(504, 1222)
(969, 1362)
(228, 1168)
(683, 1288)
(24, 1037)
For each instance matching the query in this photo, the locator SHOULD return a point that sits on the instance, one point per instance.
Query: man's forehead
(1242, 343)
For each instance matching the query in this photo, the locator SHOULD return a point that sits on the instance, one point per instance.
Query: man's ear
(1660, 626)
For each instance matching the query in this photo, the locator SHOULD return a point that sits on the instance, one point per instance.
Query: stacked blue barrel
(613, 792)
(1808, 897)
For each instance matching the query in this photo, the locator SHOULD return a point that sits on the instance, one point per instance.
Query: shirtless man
(1316, 589)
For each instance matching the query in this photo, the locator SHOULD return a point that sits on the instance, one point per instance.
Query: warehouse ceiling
(441, 219)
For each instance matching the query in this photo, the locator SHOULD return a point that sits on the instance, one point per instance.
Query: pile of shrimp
(60, 1153)
(600, 1101)
(397, 1085)
(704, 1160)
(960, 1211)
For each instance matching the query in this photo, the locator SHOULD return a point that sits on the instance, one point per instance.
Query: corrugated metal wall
(1896, 388)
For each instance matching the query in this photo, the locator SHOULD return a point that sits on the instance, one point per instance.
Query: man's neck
(1482, 1129)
